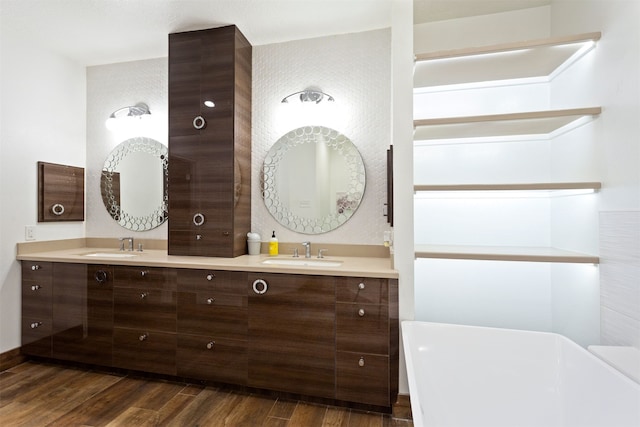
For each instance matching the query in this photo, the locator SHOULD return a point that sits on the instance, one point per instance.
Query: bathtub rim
(412, 380)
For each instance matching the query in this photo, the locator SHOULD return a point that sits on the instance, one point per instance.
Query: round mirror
(313, 180)
(134, 184)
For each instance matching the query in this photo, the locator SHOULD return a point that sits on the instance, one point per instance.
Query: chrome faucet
(307, 249)
(126, 239)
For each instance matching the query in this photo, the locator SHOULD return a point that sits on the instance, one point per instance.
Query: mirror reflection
(313, 180)
(134, 184)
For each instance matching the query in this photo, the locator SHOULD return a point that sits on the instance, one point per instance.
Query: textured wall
(110, 87)
(619, 274)
(356, 70)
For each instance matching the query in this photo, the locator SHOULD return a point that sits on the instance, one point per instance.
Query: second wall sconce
(137, 111)
(309, 95)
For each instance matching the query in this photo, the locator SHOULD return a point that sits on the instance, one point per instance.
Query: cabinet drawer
(363, 378)
(212, 313)
(147, 277)
(362, 290)
(228, 282)
(36, 336)
(212, 358)
(36, 270)
(145, 308)
(362, 328)
(142, 350)
(37, 297)
(201, 242)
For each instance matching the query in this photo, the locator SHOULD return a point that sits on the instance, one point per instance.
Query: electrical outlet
(30, 232)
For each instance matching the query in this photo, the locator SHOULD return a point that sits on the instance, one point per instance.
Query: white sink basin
(112, 255)
(302, 262)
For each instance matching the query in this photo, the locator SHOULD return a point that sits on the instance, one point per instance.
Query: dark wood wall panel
(60, 193)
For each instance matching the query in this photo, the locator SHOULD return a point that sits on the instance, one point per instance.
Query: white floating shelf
(545, 189)
(504, 253)
(536, 60)
(540, 124)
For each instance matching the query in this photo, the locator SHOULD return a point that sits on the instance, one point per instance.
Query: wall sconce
(126, 114)
(309, 95)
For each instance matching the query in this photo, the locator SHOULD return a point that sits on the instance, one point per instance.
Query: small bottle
(273, 244)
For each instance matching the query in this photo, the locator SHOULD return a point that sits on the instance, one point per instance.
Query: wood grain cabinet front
(292, 333)
(83, 313)
(145, 319)
(366, 340)
(37, 316)
(212, 325)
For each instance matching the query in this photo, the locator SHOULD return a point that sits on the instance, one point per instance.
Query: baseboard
(402, 407)
(10, 358)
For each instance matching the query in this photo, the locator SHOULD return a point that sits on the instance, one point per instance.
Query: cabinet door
(83, 313)
(212, 303)
(36, 324)
(363, 378)
(292, 333)
(145, 298)
(213, 359)
(142, 350)
(362, 328)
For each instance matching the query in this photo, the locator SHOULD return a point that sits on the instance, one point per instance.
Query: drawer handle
(35, 267)
(361, 362)
(260, 283)
(361, 285)
(57, 209)
(143, 273)
(35, 325)
(36, 287)
(361, 312)
(210, 345)
(199, 122)
(143, 295)
(210, 300)
(226, 233)
(211, 276)
(143, 337)
(198, 219)
(198, 236)
(100, 276)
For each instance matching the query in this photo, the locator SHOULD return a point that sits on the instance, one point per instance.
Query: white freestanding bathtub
(467, 376)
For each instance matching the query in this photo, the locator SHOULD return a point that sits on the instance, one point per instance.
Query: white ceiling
(440, 10)
(94, 32)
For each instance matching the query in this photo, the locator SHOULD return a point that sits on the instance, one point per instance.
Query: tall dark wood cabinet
(209, 142)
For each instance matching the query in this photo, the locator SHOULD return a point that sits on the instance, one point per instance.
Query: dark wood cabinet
(212, 325)
(292, 333)
(209, 142)
(83, 313)
(144, 305)
(321, 336)
(37, 308)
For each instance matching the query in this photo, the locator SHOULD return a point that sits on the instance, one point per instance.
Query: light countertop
(351, 266)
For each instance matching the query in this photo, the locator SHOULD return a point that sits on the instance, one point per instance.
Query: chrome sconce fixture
(309, 95)
(137, 111)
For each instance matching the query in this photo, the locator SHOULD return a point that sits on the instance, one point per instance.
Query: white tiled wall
(620, 278)
(356, 70)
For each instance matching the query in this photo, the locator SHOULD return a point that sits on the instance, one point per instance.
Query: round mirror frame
(346, 205)
(159, 214)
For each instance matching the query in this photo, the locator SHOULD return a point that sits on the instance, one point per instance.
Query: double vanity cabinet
(324, 336)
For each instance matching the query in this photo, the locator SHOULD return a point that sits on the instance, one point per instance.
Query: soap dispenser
(273, 244)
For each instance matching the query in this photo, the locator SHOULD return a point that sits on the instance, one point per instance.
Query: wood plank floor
(39, 394)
